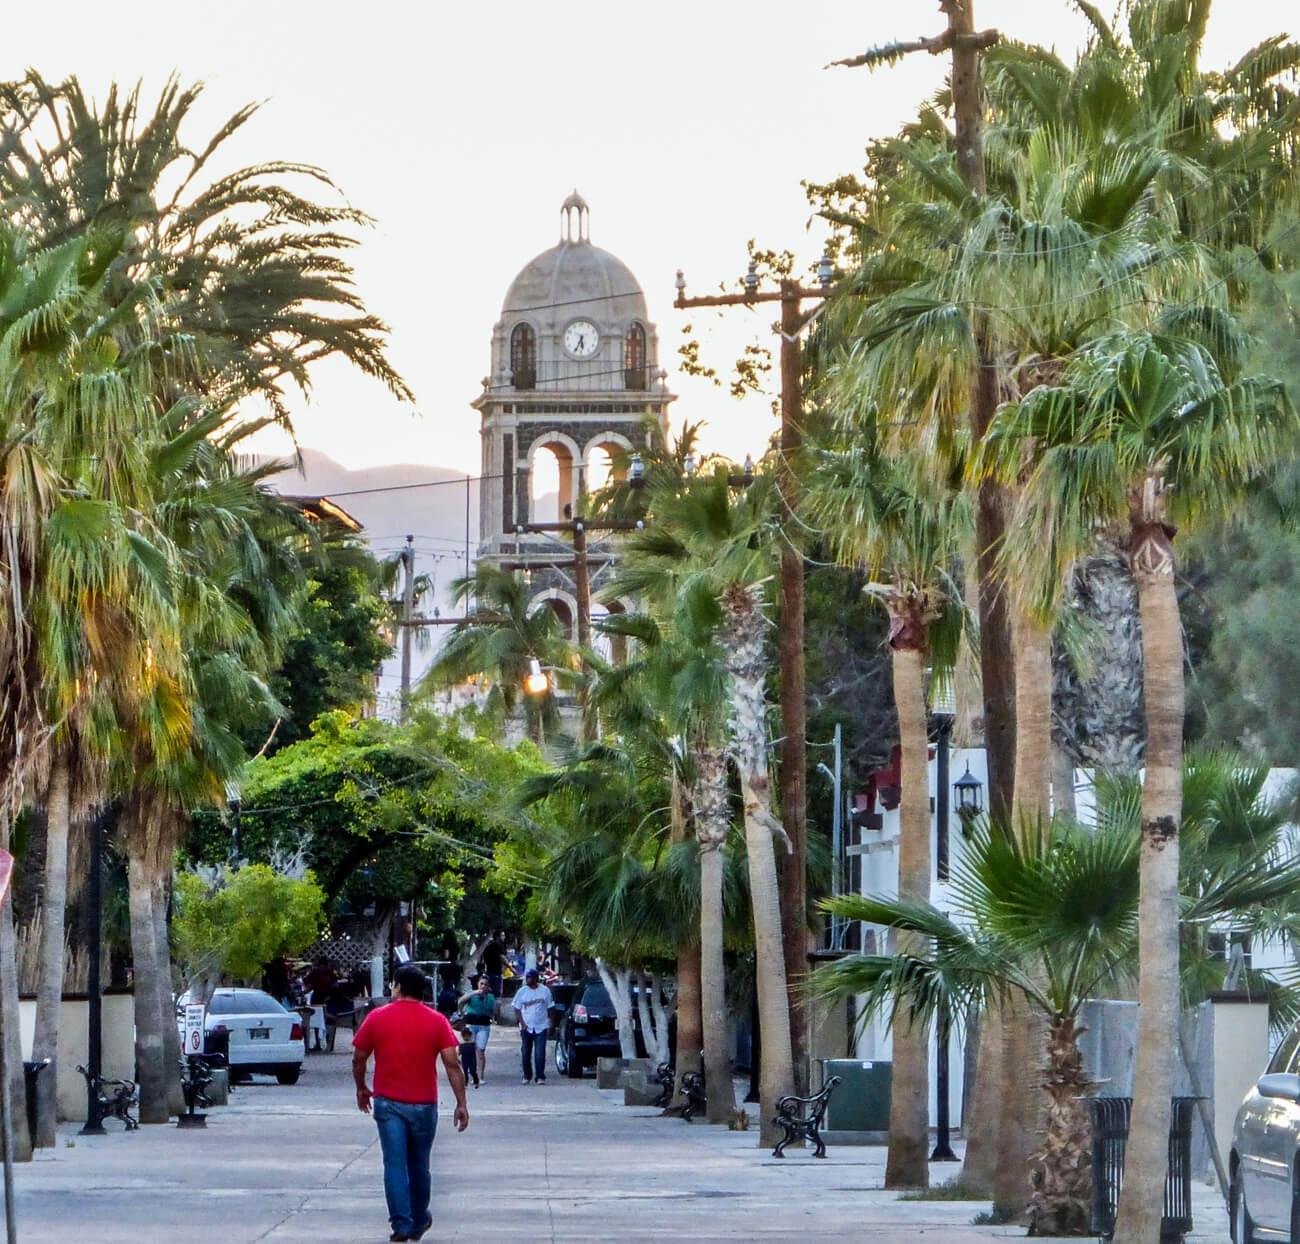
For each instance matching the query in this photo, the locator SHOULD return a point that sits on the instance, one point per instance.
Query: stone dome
(571, 280)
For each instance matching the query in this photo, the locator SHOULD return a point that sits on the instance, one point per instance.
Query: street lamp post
(94, 1125)
(794, 794)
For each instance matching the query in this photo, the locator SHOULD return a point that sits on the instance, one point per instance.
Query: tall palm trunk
(742, 643)
(1020, 1102)
(1062, 1170)
(1147, 1157)
(689, 1018)
(1031, 800)
(163, 960)
(712, 823)
(9, 1019)
(150, 1053)
(50, 962)
(908, 1162)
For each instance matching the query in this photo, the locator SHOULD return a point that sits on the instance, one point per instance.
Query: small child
(468, 1054)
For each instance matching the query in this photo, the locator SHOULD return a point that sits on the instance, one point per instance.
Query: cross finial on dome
(575, 219)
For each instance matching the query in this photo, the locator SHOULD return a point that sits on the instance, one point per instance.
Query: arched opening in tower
(551, 483)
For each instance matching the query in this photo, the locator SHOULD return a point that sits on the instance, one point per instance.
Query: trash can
(30, 1072)
(861, 1102)
(1110, 1125)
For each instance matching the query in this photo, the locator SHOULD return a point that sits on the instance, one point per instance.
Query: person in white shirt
(533, 1003)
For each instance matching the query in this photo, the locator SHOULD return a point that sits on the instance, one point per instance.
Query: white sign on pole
(193, 1030)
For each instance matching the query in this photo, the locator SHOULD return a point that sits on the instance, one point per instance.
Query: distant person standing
(468, 1054)
(494, 959)
(407, 1038)
(480, 1007)
(533, 1002)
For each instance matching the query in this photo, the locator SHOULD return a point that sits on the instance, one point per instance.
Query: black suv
(588, 1031)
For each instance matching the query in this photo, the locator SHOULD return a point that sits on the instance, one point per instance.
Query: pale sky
(687, 126)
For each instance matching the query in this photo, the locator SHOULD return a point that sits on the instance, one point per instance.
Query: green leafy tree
(235, 924)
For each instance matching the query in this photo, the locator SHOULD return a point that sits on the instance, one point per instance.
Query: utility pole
(408, 616)
(794, 779)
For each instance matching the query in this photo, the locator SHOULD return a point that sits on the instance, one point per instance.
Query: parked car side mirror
(1280, 1085)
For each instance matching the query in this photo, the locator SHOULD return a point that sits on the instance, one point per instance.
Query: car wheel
(572, 1064)
(239, 1077)
(1243, 1226)
(287, 1075)
(562, 1057)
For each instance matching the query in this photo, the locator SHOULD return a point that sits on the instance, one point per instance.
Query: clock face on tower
(581, 339)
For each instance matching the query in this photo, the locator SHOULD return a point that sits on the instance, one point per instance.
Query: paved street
(557, 1162)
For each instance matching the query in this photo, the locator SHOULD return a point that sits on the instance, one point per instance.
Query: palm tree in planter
(1143, 435)
(1045, 919)
(712, 552)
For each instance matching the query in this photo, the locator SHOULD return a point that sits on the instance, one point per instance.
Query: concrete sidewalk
(559, 1162)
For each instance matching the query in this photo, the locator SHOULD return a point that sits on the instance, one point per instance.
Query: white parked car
(1265, 1158)
(264, 1037)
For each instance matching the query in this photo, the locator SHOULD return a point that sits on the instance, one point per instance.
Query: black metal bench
(116, 1098)
(665, 1079)
(696, 1100)
(802, 1118)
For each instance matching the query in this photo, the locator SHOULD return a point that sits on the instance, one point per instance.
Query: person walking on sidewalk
(480, 1008)
(407, 1038)
(533, 1002)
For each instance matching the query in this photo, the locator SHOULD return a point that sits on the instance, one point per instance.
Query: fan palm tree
(669, 697)
(1044, 917)
(1142, 436)
(711, 553)
(501, 637)
(901, 524)
(236, 560)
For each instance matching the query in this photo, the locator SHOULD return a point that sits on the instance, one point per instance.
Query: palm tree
(710, 553)
(1142, 436)
(1044, 917)
(901, 524)
(501, 637)
(668, 698)
(253, 268)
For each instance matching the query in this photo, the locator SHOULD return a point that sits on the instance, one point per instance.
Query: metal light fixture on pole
(537, 681)
(94, 1125)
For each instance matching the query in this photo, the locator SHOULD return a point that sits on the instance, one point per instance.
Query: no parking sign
(194, 1029)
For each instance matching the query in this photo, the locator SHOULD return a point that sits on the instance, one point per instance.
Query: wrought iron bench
(665, 1079)
(802, 1118)
(696, 1099)
(116, 1098)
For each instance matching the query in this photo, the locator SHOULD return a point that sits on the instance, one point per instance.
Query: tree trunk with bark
(1031, 801)
(49, 987)
(659, 1014)
(9, 1015)
(150, 1049)
(742, 641)
(649, 1034)
(163, 959)
(617, 983)
(907, 1164)
(712, 826)
(690, 1019)
(1147, 1156)
(1061, 1172)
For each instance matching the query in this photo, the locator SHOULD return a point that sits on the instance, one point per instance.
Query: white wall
(74, 1046)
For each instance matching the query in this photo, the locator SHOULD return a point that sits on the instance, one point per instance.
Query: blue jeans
(406, 1140)
(533, 1053)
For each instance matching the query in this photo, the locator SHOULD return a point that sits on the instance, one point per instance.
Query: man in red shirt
(407, 1038)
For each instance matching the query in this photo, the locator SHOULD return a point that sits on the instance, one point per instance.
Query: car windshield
(250, 1002)
(595, 995)
(1285, 1057)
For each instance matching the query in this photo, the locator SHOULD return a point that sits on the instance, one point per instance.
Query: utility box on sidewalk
(858, 1113)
